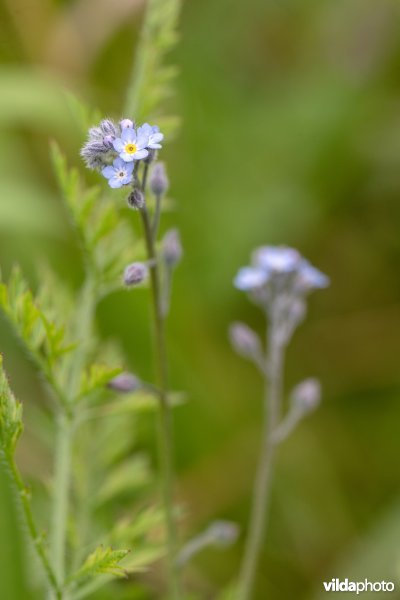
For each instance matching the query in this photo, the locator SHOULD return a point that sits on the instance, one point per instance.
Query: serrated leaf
(97, 376)
(101, 561)
(42, 337)
(10, 415)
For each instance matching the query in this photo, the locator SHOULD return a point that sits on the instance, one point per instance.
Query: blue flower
(250, 278)
(309, 277)
(131, 145)
(153, 134)
(119, 174)
(277, 259)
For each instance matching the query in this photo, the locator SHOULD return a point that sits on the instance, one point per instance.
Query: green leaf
(10, 415)
(96, 377)
(101, 561)
(43, 338)
(151, 80)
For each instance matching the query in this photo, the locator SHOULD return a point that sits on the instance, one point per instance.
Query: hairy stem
(37, 539)
(165, 424)
(263, 480)
(62, 468)
(65, 432)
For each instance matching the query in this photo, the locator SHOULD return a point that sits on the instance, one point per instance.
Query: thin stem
(37, 539)
(165, 423)
(156, 217)
(263, 480)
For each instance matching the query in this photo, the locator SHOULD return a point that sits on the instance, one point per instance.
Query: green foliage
(36, 326)
(106, 240)
(101, 561)
(10, 415)
(152, 79)
(97, 377)
(125, 478)
(13, 568)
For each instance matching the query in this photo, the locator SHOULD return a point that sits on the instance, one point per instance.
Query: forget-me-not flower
(119, 174)
(152, 132)
(131, 145)
(278, 259)
(250, 278)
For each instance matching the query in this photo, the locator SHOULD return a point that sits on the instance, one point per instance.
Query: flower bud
(135, 273)
(223, 533)
(108, 141)
(245, 341)
(108, 127)
(172, 247)
(136, 199)
(306, 396)
(124, 383)
(158, 180)
(127, 123)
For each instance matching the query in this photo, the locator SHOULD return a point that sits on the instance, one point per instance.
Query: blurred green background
(290, 134)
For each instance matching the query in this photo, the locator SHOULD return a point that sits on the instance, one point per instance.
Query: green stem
(37, 539)
(66, 429)
(165, 422)
(263, 480)
(62, 477)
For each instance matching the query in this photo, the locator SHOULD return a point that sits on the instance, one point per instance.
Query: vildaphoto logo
(337, 585)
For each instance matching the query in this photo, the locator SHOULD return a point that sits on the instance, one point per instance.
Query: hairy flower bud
(125, 123)
(136, 199)
(135, 273)
(306, 396)
(172, 247)
(245, 341)
(124, 383)
(158, 180)
(108, 128)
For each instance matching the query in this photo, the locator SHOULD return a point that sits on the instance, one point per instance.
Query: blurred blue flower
(280, 259)
(311, 278)
(131, 145)
(250, 278)
(119, 174)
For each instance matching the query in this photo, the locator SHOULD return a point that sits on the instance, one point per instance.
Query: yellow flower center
(130, 148)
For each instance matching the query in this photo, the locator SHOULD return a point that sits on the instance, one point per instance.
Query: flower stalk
(165, 437)
(263, 480)
(278, 280)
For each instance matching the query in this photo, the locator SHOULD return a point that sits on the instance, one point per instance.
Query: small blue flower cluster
(114, 148)
(279, 279)
(282, 266)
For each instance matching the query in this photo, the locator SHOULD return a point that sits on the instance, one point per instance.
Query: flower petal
(127, 157)
(128, 135)
(115, 182)
(108, 172)
(118, 145)
(156, 137)
(140, 154)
